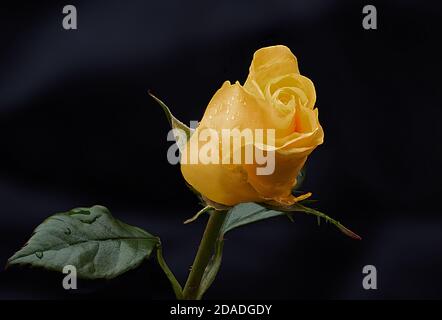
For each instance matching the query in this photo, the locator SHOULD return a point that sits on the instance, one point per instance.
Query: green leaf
(246, 213)
(298, 207)
(174, 122)
(90, 239)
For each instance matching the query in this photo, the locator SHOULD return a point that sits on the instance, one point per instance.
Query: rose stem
(205, 252)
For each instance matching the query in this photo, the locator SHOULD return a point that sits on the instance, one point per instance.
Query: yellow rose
(274, 96)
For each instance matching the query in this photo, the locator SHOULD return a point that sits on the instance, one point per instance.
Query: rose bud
(274, 113)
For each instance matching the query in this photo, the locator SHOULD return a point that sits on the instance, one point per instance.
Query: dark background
(77, 128)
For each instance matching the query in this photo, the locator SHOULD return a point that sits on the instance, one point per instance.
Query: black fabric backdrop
(77, 128)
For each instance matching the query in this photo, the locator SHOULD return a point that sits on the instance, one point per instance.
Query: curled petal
(269, 63)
